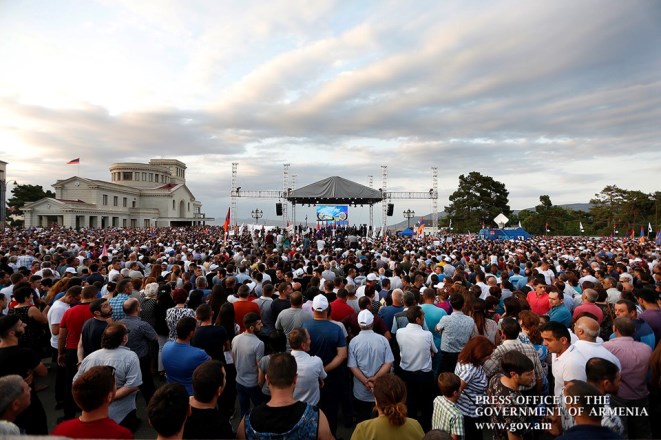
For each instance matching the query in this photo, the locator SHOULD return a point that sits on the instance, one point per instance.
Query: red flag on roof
(75, 161)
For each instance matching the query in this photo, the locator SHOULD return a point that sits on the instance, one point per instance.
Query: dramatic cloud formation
(553, 97)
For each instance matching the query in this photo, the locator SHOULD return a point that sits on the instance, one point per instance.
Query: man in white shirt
(416, 347)
(310, 369)
(587, 347)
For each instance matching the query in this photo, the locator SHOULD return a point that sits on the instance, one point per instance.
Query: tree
(623, 208)
(477, 200)
(22, 194)
(560, 221)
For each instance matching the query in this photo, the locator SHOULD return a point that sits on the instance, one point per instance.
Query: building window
(188, 206)
(123, 222)
(137, 176)
(124, 202)
(127, 175)
(151, 177)
(133, 204)
(105, 200)
(115, 200)
(144, 176)
(173, 205)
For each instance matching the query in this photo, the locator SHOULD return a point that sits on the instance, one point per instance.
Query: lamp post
(655, 198)
(306, 221)
(257, 214)
(408, 214)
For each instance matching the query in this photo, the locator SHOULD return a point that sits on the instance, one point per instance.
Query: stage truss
(289, 185)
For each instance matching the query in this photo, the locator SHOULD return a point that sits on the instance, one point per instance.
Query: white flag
(580, 225)
(520, 224)
(649, 228)
(450, 225)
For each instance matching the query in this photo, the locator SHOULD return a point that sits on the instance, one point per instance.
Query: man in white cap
(328, 342)
(370, 356)
(369, 281)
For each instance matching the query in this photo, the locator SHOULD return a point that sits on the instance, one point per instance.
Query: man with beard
(116, 354)
(24, 362)
(90, 338)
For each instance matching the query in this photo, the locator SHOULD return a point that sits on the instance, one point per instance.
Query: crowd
(301, 333)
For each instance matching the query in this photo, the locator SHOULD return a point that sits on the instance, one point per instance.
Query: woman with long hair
(655, 390)
(32, 317)
(155, 271)
(164, 302)
(530, 323)
(483, 325)
(227, 400)
(174, 314)
(146, 281)
(470, 369)
(391, 423)
(60, 286)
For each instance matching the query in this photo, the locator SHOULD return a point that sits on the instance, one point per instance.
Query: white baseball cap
(319, 303)
(365, 317)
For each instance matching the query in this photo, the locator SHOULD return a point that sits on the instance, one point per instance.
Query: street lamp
(257, 214)
(408, 214)
(656, 208)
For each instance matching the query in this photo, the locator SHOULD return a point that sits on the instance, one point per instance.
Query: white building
(139, 195)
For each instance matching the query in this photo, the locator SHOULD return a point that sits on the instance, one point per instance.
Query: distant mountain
(585, 207)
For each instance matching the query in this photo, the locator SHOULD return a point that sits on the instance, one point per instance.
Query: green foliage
(560, 221)
(477, 200)
(22, 194)
(624, 209)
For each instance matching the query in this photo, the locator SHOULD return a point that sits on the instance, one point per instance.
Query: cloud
(546, 97)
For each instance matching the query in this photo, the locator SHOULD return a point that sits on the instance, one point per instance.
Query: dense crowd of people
(303, 332)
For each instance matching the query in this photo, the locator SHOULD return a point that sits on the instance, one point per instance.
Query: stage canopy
(335, 190)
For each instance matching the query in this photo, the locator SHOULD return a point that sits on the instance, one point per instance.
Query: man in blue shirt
(180, 359)
(370, 356)
(559, 311)
(644, 333)
(388, 313)
(328, 342)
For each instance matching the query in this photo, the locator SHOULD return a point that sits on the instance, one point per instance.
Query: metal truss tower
(285, 186)
(434, 200)
(384, 203)
(293, 205)
(233, 194)
(371, 185)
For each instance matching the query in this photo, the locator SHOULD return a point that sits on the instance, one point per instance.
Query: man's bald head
(397, 297)
(587, 329)
(131, 306)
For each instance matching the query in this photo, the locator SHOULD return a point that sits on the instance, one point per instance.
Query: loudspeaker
(391, 208)
(278, 209)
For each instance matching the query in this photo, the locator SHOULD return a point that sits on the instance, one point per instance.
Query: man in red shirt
(93, 391)
(71, 326)
(538, 298)
(339, 308)
(590, 296)
(243, 306)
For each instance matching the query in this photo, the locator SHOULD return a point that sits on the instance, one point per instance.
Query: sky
(557, 97)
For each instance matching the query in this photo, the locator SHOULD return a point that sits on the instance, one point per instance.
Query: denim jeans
(248, 394)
